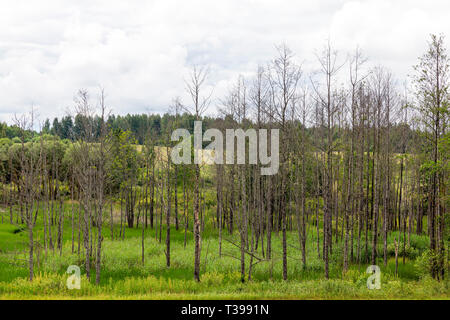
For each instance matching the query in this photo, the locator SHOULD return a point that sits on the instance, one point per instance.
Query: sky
(141, 52)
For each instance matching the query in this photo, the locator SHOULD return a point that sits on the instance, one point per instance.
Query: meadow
(124, 276)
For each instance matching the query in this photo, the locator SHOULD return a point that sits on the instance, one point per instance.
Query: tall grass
(124, 276)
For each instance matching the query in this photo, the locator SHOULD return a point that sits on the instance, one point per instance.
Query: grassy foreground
(125, 277)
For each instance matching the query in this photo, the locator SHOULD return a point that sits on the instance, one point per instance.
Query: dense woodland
(362, 159)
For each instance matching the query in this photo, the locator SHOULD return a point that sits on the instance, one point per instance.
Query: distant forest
(140, 125)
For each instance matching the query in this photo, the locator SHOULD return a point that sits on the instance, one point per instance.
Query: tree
(329, 69)
(432, 85)
(85, 169)
(200, 102)
(284, 83)
(28, 183)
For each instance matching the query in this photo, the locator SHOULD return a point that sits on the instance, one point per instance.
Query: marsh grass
(125, 277)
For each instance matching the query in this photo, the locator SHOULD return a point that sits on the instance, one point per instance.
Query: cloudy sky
(141, 51)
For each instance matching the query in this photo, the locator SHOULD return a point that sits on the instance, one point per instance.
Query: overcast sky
(140, 51)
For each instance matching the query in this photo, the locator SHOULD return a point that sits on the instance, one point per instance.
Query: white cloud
(140, 51)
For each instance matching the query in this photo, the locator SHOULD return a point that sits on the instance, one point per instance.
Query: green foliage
(423, 263)
(123, 163)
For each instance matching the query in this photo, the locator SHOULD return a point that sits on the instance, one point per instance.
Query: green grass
(124, 276)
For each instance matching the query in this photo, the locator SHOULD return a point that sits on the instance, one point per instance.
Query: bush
(423, 264)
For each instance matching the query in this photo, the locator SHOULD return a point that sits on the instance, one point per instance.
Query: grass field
(125, 277)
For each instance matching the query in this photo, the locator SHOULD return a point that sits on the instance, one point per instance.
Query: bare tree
(28, 182)
(200, 102)
(329, 69)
